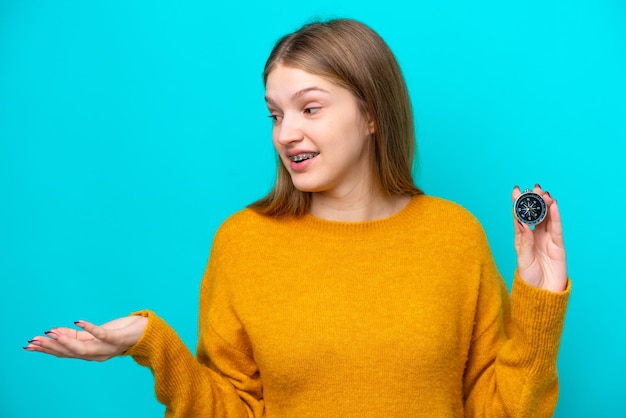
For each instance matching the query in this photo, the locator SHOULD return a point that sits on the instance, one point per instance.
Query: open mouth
(303, 157)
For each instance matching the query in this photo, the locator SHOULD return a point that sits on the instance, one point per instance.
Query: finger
(515, 194)
(524, 238)
(555, 226)
(48, 345)
(62, 342)
(97, 332)
(65, 331)
(33, 344)
(523, 235)
(61, 345)
(106, 342)
(547, 197)
(518, 226)
(74, 333)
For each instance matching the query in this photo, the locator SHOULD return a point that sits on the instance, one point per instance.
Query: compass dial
(530, 208)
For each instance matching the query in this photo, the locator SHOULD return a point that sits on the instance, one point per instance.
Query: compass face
(530, 208)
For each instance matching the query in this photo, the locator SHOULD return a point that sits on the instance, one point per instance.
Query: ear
(371, 126)
(370, 122)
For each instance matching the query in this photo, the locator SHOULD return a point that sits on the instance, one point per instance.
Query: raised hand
(98, 343)
(541, 251)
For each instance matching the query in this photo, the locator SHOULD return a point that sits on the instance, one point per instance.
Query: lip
(293, 152)
(302, 165)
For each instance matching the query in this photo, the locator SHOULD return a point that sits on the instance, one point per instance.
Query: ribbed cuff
(173, 365)
(158, 337)
(539, 316)
(150, 315)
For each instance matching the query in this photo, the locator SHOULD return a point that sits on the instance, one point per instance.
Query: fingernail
(34, 342)
(516, 187)
(52, 335)
(78, 323)
(28, 348)
(548, 193)
(537, 185)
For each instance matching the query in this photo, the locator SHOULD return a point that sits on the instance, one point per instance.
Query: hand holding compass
(539, 239)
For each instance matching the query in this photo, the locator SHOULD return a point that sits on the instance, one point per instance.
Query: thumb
(524, 243)
(98, 332)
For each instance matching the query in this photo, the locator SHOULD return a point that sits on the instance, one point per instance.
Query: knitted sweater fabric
(405, 316)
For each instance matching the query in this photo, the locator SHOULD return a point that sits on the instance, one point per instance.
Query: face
(319, 132)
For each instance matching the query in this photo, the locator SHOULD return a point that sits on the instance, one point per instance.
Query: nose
(288, 131)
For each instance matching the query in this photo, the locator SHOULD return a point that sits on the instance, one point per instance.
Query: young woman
(346, 291)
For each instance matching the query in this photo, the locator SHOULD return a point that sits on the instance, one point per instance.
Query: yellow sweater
(400, 317)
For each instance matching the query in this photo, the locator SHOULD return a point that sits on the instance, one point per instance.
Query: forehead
(289, 80)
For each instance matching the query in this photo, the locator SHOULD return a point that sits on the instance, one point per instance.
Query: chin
(307, 187)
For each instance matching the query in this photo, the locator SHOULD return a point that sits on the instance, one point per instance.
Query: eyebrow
(299, 93)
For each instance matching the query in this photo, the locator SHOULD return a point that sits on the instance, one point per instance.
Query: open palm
(98, 343)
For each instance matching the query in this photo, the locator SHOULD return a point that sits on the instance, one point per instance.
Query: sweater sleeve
(183, 384)
(511, 366)
(223, 379)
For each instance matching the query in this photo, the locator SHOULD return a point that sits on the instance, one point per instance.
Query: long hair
(353, 56)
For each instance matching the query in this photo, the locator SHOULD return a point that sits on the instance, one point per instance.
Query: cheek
(280, 150)
(275, 142)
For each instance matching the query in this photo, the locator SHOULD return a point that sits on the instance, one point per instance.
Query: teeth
(302, 157)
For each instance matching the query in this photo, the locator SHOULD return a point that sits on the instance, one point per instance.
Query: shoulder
(240, 222)
(243, 218)
(445, 213)
(448, 223)
(247, 225)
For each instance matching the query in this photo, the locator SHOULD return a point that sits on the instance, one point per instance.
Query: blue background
(130, 129)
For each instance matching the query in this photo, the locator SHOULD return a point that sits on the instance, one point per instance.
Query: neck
(365, 207)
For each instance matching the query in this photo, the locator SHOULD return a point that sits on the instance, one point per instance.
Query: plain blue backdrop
(130, 129)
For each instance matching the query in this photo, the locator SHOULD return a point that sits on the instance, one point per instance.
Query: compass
(530, 208)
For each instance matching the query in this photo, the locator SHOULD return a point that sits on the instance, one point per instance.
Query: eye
(275, 117)
(311, 110)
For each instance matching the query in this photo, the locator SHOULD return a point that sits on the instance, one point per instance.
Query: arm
(185, 385)
(221, 382)
(511, 367)
(223, 379)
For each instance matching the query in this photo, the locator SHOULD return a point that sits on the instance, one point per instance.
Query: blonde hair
(353, 56)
